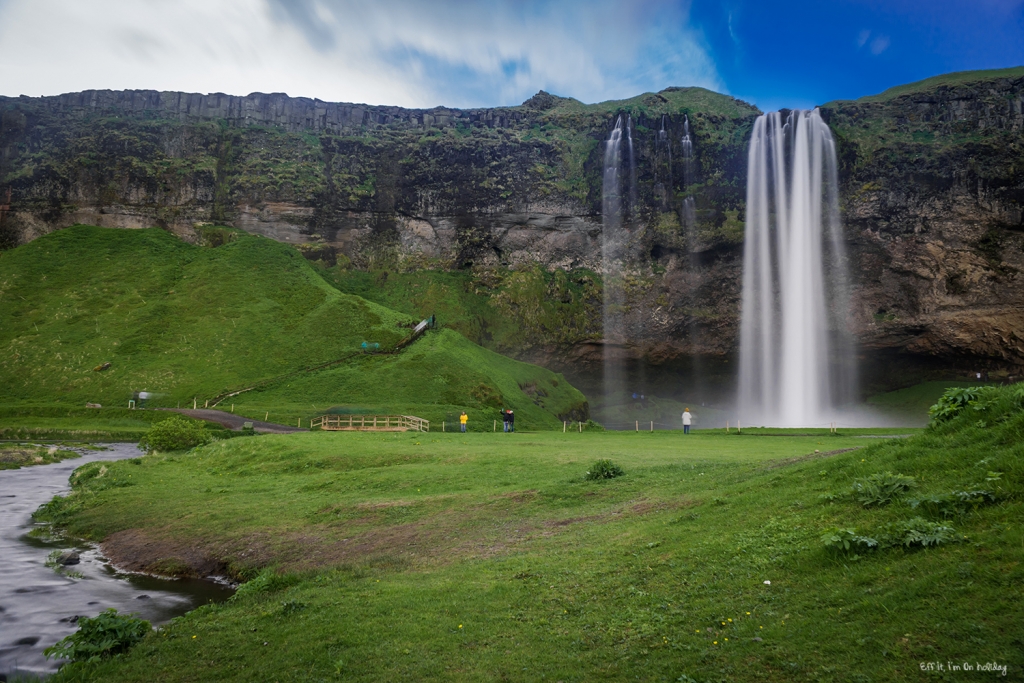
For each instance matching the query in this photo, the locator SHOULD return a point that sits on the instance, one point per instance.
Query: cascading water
(688, 213)
(632, 165)
(612, 249)
(796, 363)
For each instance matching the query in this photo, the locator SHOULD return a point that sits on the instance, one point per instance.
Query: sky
(463, 53)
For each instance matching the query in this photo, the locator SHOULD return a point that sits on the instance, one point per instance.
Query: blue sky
(468, 53)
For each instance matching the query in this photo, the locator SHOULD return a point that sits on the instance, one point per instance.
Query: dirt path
(235, 422)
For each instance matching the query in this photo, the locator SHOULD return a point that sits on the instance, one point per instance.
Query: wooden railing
(381, 423)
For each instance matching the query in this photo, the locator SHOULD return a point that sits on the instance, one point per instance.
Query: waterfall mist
(797, 365)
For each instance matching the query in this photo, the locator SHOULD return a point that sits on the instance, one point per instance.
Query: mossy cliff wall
(932, 191)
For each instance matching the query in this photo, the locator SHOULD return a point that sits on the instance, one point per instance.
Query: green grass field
(188, 322)
(491, 557)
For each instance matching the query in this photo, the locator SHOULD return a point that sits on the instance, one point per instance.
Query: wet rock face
(932, 190)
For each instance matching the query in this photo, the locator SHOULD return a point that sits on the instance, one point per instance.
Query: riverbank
(15, 456)
(39, 604)
(491, 556)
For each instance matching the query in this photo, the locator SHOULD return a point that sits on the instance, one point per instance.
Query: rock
(757, 639)
(142, 597)
(68, 557)
(930, 190)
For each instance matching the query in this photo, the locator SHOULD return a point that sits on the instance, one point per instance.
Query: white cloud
(879, 45)
(403, 52)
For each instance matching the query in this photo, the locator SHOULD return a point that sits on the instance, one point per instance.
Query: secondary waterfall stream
(38, 605)
(796, 365)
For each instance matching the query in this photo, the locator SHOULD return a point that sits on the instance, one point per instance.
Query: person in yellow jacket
(463, 419)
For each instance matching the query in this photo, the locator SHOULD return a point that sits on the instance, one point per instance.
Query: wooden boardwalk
(370, 423)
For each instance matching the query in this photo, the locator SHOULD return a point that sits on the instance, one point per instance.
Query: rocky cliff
(932, 192)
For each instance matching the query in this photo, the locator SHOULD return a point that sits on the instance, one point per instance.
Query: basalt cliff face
(509, 199)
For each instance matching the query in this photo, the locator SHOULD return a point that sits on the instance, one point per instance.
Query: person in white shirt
(687, 418)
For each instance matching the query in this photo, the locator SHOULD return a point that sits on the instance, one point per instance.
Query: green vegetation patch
(15, 456)
(95, 315)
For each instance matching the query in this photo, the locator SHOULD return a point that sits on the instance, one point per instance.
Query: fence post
(581, 426)
(267, 416)
(652, 425)
(563, 426)
(442, 425)
(495, 426)
(193, 403)
(739, 430)
(638, 425)
(726, 426)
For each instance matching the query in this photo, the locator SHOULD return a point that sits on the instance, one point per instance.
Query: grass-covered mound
(493, 557)
(185, 322)
(16, 456)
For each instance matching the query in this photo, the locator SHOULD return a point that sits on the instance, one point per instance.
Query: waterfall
(687, 145)
(796, 363)
(688, 212)
(612, 250)
(632, 166)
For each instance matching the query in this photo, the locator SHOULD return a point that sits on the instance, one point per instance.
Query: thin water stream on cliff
(37, 604)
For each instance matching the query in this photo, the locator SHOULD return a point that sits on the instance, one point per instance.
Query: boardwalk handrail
(370, 423)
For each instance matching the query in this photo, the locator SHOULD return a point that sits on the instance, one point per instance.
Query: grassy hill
(951, 79)
(491, 557)
(185, 322)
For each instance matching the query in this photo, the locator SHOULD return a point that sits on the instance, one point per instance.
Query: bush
(918, 531)
(907, 533)
(956, 400)
(604, 469)
(953, 504)
(174, 434)
(881, 488)
(104, 635)
(847, 539)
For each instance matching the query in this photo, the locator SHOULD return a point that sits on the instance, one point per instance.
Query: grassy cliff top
(670, 101)
(928, 84)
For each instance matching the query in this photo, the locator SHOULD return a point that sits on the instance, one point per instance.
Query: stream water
(38, 605)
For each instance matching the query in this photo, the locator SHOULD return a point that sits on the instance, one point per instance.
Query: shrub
(953, 504)
(881, 488)
(604, 469)
(174, 434)
(956, 400)
(918, 531)
(847, 539)
(907, 533)
(104, 635)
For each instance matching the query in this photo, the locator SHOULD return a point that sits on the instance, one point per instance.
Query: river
(37, 604)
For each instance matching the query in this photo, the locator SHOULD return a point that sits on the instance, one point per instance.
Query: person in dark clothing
(511, 421)
(504, 419)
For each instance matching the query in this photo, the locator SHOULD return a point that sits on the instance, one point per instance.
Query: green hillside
(186, 322)
(948, 80)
